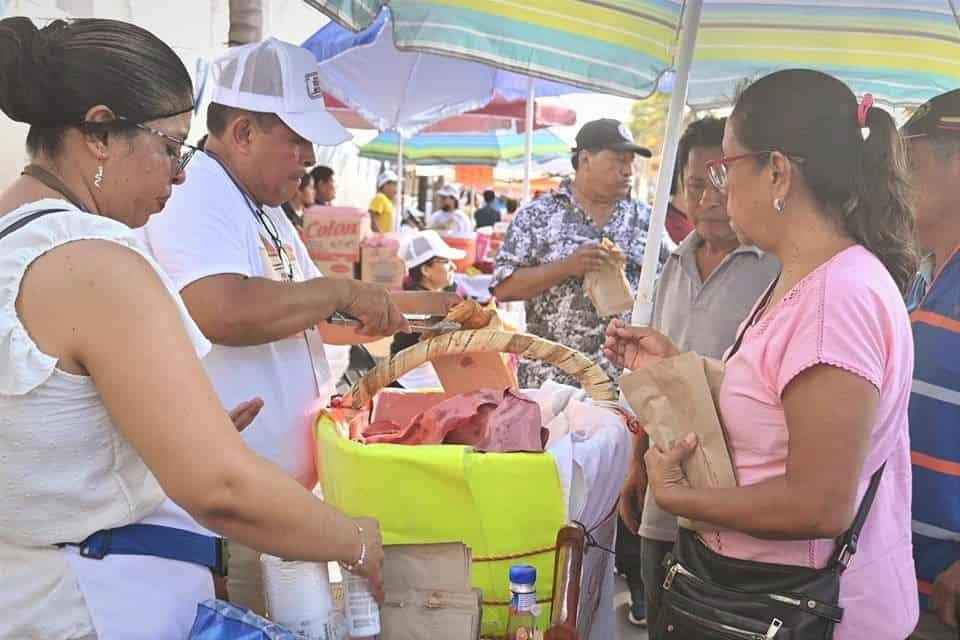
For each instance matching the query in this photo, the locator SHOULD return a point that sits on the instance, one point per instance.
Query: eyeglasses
(718, 168)
(183, 152)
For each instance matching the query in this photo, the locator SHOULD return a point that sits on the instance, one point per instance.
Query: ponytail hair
(857, 175)
(880, 215)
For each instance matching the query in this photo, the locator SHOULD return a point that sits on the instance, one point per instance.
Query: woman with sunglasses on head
(815, 392)
(106, 410)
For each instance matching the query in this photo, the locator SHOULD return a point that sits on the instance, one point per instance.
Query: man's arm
(237, 311)
(529, 282)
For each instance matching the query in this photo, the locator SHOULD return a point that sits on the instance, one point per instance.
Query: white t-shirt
(208, 228)
(451, 221)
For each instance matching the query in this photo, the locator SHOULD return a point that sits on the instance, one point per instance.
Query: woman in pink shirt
(815, 399)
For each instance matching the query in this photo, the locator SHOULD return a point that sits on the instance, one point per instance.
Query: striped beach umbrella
(465, 149)
(902, 52)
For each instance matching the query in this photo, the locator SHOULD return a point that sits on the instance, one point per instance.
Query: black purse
(708, 596)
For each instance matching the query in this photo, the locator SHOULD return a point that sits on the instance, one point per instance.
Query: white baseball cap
(449, 190)
(278, 77)
(385, 177)
(426, 245)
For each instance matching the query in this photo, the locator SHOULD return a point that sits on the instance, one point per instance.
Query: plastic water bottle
(299, 598)
(522, 620)
(363, 612)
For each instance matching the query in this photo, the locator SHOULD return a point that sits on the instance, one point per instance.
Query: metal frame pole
(643, 306)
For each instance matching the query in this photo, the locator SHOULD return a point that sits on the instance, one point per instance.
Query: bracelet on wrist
(352, 567)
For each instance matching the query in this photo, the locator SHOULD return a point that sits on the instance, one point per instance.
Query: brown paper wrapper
(608, 288)
(674, 397)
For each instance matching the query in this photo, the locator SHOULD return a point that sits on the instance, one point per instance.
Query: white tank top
(65, 470)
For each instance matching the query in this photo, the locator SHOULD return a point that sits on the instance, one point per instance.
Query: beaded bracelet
(352, 567)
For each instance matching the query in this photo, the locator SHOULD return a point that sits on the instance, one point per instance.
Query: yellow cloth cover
(497, 504)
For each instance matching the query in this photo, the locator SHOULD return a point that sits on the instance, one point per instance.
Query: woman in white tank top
(105, 410)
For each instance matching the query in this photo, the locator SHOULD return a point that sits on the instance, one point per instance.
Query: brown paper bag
(674, 397)
(608, 288)
(429, 593)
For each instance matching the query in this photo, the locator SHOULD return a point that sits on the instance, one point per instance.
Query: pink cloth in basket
(488, 420)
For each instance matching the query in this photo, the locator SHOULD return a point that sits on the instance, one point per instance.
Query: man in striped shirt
(933, 139)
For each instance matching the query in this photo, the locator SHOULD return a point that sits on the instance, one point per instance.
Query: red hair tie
(863, 109)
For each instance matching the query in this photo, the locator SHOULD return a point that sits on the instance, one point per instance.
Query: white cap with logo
(277, 77)
(426, 245)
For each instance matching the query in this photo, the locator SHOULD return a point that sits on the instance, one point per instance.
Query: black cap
(940, 116)
(608, 133)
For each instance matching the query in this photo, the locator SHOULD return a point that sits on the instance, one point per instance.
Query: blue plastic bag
(219, 620)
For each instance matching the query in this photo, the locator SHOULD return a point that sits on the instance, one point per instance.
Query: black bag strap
(753, 317)
(25, 220)
(847, 543)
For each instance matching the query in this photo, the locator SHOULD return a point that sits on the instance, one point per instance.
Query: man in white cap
(381, 207)
(244, 273)
(449, 219)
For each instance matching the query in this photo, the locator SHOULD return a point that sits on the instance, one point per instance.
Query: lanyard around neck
(261, 217)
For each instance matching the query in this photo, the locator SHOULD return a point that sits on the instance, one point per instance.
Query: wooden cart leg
(567, 571)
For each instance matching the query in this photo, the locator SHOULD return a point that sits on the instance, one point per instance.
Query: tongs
(419, 322)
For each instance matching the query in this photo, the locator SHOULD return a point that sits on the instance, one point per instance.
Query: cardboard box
(380, 262)
(335, 233)
(336, 268)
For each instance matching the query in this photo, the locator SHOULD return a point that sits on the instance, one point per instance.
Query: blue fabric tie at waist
(159, 541)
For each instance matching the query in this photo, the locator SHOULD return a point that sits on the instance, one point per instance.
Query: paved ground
(621, 603)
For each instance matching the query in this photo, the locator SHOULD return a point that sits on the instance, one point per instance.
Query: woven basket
(506, 507)
(594, 380)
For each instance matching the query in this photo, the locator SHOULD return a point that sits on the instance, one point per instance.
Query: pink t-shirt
(848, 314)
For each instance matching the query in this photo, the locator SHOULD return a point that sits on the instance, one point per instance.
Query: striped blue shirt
(935, 424)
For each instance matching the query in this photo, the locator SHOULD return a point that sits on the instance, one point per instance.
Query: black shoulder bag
(708, 596)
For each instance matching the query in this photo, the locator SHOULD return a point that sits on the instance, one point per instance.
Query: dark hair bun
(31, 66)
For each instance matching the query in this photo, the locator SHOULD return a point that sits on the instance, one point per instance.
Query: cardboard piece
(380, 262)
(678, 395)
(335, 233)
(429, 593)
(471, 371)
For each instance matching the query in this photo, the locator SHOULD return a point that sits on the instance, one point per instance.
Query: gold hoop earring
(778, 205)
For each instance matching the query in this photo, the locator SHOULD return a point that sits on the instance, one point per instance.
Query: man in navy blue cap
(933, 139)
(554, 241)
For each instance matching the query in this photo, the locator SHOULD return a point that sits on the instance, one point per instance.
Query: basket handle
(594, 380)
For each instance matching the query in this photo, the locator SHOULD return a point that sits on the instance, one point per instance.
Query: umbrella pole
(528, 140)
(643, 306)
(398, 218)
